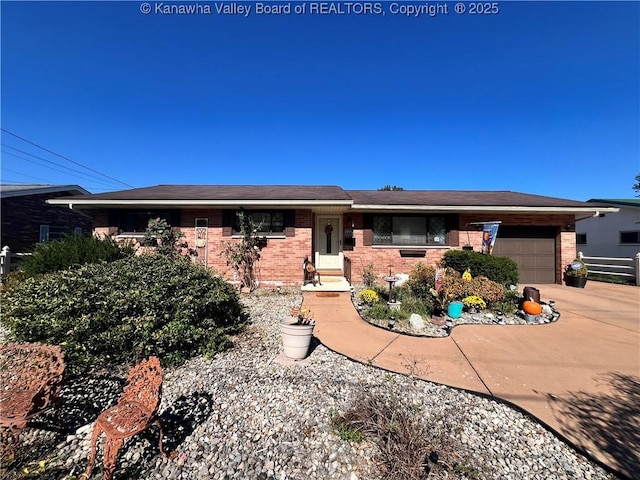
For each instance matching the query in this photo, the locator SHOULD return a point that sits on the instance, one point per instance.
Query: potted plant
(297, 332)
(575, 274)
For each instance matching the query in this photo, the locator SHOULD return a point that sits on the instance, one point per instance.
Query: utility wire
(64, 158)
(24, 174)
(87, 176)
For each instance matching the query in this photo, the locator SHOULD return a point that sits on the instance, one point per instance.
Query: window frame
(581, 239)
(235, 227)
(427, 219)
(637, 239)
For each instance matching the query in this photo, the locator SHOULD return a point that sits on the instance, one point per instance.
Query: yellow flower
(466, 276)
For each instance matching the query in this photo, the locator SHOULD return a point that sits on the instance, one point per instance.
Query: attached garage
(532, 248)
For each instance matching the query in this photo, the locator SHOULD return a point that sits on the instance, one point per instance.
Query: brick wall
(281, 260)
(384, 258)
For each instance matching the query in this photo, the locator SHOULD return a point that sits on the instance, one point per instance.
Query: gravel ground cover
(246, 415)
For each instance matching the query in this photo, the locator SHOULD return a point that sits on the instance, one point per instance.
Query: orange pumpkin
(532, 308)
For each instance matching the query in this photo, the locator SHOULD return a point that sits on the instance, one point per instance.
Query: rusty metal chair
(31, 377)
(136, 410)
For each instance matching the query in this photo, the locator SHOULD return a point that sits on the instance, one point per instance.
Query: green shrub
(499, 269)
(421, 280)
(73, 250)
(119, 312)
(378, 311)
(421, 306)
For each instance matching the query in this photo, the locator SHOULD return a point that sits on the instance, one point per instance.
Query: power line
(23, 174)
(65, 158)
(74, 171)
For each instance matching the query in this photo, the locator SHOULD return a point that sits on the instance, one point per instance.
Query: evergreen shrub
(73, 250)
(106, 314)
(499, 269)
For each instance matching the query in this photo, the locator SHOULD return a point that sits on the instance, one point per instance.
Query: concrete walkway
(580, 375)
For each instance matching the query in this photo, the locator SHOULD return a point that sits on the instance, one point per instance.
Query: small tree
(167, 241)
(243, 254)
(636, 186)
(391, 188)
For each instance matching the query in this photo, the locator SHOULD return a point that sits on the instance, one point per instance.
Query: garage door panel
(535, 257)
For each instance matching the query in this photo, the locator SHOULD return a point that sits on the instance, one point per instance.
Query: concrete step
(333, 272)
(330, 283)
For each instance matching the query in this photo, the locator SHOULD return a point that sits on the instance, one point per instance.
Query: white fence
(618, 266)
(6, 261)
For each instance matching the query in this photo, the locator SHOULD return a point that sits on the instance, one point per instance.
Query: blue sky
(543, 97)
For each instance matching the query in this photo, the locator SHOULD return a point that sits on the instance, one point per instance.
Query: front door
(328, 244)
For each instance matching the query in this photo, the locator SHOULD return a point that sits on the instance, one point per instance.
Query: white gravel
(244, 415)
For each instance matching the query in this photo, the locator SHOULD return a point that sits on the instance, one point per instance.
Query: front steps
(330, 283)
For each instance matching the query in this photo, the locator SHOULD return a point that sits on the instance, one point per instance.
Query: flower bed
(423, 301)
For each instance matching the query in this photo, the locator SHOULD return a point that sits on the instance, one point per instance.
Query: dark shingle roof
(227, 192)
(458, 198)
(625, 202)
(232, 196)
(19, 190)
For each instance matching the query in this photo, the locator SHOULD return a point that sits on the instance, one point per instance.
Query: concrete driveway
(580, 375)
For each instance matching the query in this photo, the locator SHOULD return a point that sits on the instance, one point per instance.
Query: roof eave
(45, 190)
(486, 208)
(87, 204)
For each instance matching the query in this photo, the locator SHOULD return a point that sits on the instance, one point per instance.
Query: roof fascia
(43, 190)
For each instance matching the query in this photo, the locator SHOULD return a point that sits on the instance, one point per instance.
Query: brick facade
(281, 260)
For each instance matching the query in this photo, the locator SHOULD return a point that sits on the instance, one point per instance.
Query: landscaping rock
(416, 322)
(241, 415)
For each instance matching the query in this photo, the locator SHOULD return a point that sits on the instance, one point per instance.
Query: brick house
(343, 231)
(27, 218)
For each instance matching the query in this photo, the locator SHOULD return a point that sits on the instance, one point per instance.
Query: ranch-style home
(344, 231)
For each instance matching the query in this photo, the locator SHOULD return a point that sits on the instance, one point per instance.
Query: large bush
(73, 250)
(499, 269)
(119, 312)
(421, 280)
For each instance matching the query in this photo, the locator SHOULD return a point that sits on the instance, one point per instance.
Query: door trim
(329, 262)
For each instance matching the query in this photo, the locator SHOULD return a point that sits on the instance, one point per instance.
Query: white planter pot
(296, 340)
(394, 306)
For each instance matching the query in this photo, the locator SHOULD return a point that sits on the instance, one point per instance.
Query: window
(268, 221)
(409, 230)
(44, 233)
(581, 238)
(136, 221)
(51, 232)
(630, 237)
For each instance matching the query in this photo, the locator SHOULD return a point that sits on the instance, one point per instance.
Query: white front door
(328, 242)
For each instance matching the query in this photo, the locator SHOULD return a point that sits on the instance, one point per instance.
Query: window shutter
(453, 230)
(290, 223)
(367, 231)
(227, 222)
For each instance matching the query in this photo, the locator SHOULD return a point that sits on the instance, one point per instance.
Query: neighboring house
(611, 234)
(343, 231)
(27, 219)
